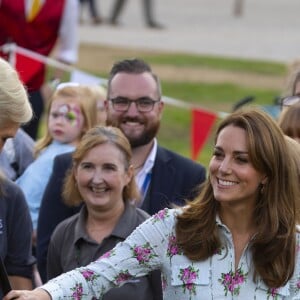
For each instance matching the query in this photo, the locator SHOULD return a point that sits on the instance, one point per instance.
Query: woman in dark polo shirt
(103, 178)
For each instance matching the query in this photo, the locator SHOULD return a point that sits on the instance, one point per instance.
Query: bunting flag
(202, 123)
(27, 67)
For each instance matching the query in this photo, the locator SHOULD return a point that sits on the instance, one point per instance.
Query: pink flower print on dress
(89, 275)
(188, 277)
(143, 253)
(161, 215)
(122, 277)
(108, 254)
(232, 281)
(298, 284)
(219, 250)
(173, 248)
(77, 295)
(272, 293)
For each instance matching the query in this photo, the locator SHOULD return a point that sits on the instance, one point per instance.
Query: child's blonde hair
(99, 93)
(88, 105)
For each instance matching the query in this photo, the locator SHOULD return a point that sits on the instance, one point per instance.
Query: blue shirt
(35, 178)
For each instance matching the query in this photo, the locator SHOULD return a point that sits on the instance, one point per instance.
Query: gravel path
(268, 29)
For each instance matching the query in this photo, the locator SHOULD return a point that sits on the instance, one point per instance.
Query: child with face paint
(71, 112)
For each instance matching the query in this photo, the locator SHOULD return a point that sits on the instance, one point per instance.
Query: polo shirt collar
(122, 229)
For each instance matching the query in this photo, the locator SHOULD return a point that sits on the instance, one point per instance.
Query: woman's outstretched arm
(37, 294)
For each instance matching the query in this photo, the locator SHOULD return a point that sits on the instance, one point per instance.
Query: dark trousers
(92, 6)
(119, 5)
(37, 104)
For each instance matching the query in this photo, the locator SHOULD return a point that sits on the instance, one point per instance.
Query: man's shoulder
(177, 159)
(65, 158)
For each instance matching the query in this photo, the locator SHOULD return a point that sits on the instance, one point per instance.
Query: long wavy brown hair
(275, 212)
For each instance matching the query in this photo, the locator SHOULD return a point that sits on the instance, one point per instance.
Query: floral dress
(153, 246)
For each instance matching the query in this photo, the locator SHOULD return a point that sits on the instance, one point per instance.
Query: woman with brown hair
(102, 178)
(237, 239)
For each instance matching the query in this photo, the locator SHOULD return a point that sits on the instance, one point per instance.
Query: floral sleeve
(139, 254)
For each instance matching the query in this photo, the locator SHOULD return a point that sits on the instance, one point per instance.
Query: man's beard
(144, 138)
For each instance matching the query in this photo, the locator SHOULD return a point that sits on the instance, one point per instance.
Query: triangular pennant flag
(28, 68)
(202, 122)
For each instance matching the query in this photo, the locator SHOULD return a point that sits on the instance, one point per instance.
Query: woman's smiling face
(101, 176)
(232, 175)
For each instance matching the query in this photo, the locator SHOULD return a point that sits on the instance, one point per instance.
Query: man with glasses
(165, 178)
(135, 106)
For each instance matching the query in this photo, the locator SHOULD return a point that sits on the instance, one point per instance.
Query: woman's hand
(37, 294)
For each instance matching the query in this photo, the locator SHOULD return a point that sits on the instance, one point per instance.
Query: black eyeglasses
(290, 100)
(144, 104)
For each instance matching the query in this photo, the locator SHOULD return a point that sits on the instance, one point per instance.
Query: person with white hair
(15, 221)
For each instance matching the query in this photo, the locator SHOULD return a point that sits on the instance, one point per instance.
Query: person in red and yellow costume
(39, 26)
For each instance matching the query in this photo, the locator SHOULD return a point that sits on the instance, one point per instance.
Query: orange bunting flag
(202, 122)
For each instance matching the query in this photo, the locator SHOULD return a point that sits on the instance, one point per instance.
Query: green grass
(216, 96)
(196, 61)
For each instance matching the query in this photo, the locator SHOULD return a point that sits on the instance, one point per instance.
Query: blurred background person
(291, 93)
(44, 24)
(294, 148)
(148, 13)
(289, 121)
(102, 177)
(17, 154)
(16, 227)
(93, 11)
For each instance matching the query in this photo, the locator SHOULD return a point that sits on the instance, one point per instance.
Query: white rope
(12, 48)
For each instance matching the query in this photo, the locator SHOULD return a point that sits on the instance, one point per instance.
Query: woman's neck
(238, 218)
(100, 224)
(240, 222)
